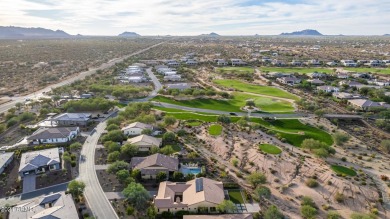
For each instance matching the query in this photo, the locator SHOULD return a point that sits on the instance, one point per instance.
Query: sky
(194, 17)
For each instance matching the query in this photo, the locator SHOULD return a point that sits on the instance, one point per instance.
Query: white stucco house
(53, 135)
(136, 128)
(5, 159)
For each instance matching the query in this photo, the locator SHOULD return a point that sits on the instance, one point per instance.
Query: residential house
(362, 62)
(266, 59)
(237, 62)
(314, 62)
(342, 75)
(348, 63)
(151, 165)
(136, 79)
(328, 89)
(386, 62)
(350, 83)
(172, 78)
(379, 82)
(181, 86)
(191, 62)
(346, 96)
(289, 80)
(277, 62)
(316, 82)
(367, 105)
(56, 206)
(86, 96)
(201, 193)
(35, 162)
(295, 63)
(221, 216)
(278, 74)
(173, 63)
(145, 142)
(368, 86)
(222, 62)
(136, 128)
(361, 75)
(332, 64)
(53, 135)
(169, 73)
(316, 75)
(5, 159)
(72, 119)
(375, 63)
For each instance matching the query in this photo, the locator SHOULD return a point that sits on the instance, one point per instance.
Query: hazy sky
(193, 17)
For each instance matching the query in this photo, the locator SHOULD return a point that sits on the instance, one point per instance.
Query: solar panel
(199, 184)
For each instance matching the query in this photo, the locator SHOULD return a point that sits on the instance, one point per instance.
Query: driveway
(29, 182)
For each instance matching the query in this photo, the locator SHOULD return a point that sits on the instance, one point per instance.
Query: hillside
(307, 32)
(22, 32)
(211, 34)
(129, 34)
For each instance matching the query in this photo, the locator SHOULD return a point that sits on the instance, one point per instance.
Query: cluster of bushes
(320, 149)
(120, 91)
(88, 105)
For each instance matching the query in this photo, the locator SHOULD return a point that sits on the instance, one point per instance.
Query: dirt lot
(53, 178)
(109, 182)
(10, 185)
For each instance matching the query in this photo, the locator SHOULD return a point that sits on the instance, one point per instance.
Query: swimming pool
(192, 170)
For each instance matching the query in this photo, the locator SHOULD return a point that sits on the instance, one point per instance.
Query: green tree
(333, 215)
(340, 138)
(178, 176)
(136, 174)
(167, 150)
(263, 192)
(308, 212)
(129, 149)
(154, 150)
(256, 179)
(169, 120)
(319, 113)
(306, 200)
(122, 175)
(18, 106)
(147, 132)
(137, 195)
(169, 137)
(226, 206)
(385, 145)
(362, 216)
(115, 136)
(75, 146)
(161, 176)
(273, 213)
(76, 188)
(113, 156)
(151, 212)
(224, 119)
(118, 165)
(112, 127)
(13, 121)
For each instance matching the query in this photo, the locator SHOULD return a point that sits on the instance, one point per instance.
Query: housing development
(253, 121)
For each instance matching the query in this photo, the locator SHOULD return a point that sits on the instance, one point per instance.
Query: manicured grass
(232, 105)
(343, 170)
(299, 70)
(193, 123)
(294, 131)
(236, 70)
(270, 149)
(236, 197)
(256, 89)
(372, 70)
(215, 130)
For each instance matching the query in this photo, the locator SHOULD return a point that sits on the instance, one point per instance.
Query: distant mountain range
(307, 32)
(211, 34)
(22, 32)
(386, 35)
(129, 34)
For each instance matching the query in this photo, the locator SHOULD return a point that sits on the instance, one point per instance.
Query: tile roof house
(136, 128)
(350, 83)
(190, 196)
(35, 162)
(72, 119)
(151, 165)
(289, 80)
(316, 75)
(364, 104)
(316, 82)
(5, 159)
(53, 135)
(145, 142)
(328, 89)
(53, 206)
(181, 86)
(222, 216)
(346, 96)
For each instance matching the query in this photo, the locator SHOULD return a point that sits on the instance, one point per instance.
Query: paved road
(94, 194)
(80, 76)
